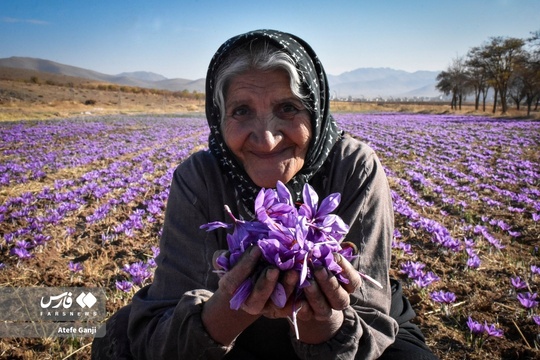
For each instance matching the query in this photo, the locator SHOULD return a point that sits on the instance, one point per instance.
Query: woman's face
(266, 126)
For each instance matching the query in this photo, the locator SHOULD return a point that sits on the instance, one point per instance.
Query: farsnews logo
(51, 307)
(65, 300)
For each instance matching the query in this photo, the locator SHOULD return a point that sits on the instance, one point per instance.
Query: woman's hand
(221, 322)
(321, 316)
(259, 300)
(224, 324)
(327, 293)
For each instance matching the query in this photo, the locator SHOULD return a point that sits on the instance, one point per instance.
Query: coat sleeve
(366, 205)
(165, 321)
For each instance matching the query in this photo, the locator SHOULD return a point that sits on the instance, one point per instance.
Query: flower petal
(329, 204)
(284, 195)
(279, 297)
(241, 294)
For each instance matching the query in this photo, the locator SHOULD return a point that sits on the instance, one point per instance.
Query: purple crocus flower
(475, 327)
(155, 251)
(493, 241)
(40, 239)
(216, 225)
(325, 226)
(245, 234)
(413, 269)
(518, 283)
(503, 226)
(406, 248)
(129, 232)
(536, 319)
(119, 228)
(474, 262)
(124, 285)
(528, 300)
(152, 260)
(155, 207)
(491, 330)
(21, 253)
(138, 271)
(75, 267)
(275, 207)
(469, 243)
(443, 297)
(277, 253)
(426, 279)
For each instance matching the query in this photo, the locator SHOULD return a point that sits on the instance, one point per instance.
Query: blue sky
(178, 38)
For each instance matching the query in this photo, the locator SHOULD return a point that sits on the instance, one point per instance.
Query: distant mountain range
(367, 83)
(371, 83)
(139, 78)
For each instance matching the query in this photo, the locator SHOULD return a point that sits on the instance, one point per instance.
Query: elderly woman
(267, 106)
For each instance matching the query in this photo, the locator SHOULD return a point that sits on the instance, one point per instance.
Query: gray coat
(165, 321)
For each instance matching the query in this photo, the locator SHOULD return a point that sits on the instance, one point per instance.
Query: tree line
(509, 66)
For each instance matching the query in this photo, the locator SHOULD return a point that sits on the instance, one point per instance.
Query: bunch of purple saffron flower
(290, 238)
(480, 333)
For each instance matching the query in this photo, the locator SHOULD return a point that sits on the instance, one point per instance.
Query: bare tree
(499, 57)
(516, 87)
(529, 69)
(444, 84)
(454, 81)
(478, 78)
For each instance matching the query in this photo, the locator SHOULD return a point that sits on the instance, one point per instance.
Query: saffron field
(82, 201)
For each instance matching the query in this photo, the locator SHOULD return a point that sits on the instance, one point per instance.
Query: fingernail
(321, 273)
(338, 258)
(253, 251)
(272, 274)
(311, 287)
(348, 244)
(290, 279)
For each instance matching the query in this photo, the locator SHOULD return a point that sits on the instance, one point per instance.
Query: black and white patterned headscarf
(314, 81)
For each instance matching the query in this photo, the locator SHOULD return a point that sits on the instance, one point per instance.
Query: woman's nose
(266, 133)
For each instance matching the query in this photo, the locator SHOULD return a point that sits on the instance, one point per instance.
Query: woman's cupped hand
(324, 295)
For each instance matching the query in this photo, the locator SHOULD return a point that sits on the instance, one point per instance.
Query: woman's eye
(287, 111)
(289, 108)
(240, 113)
